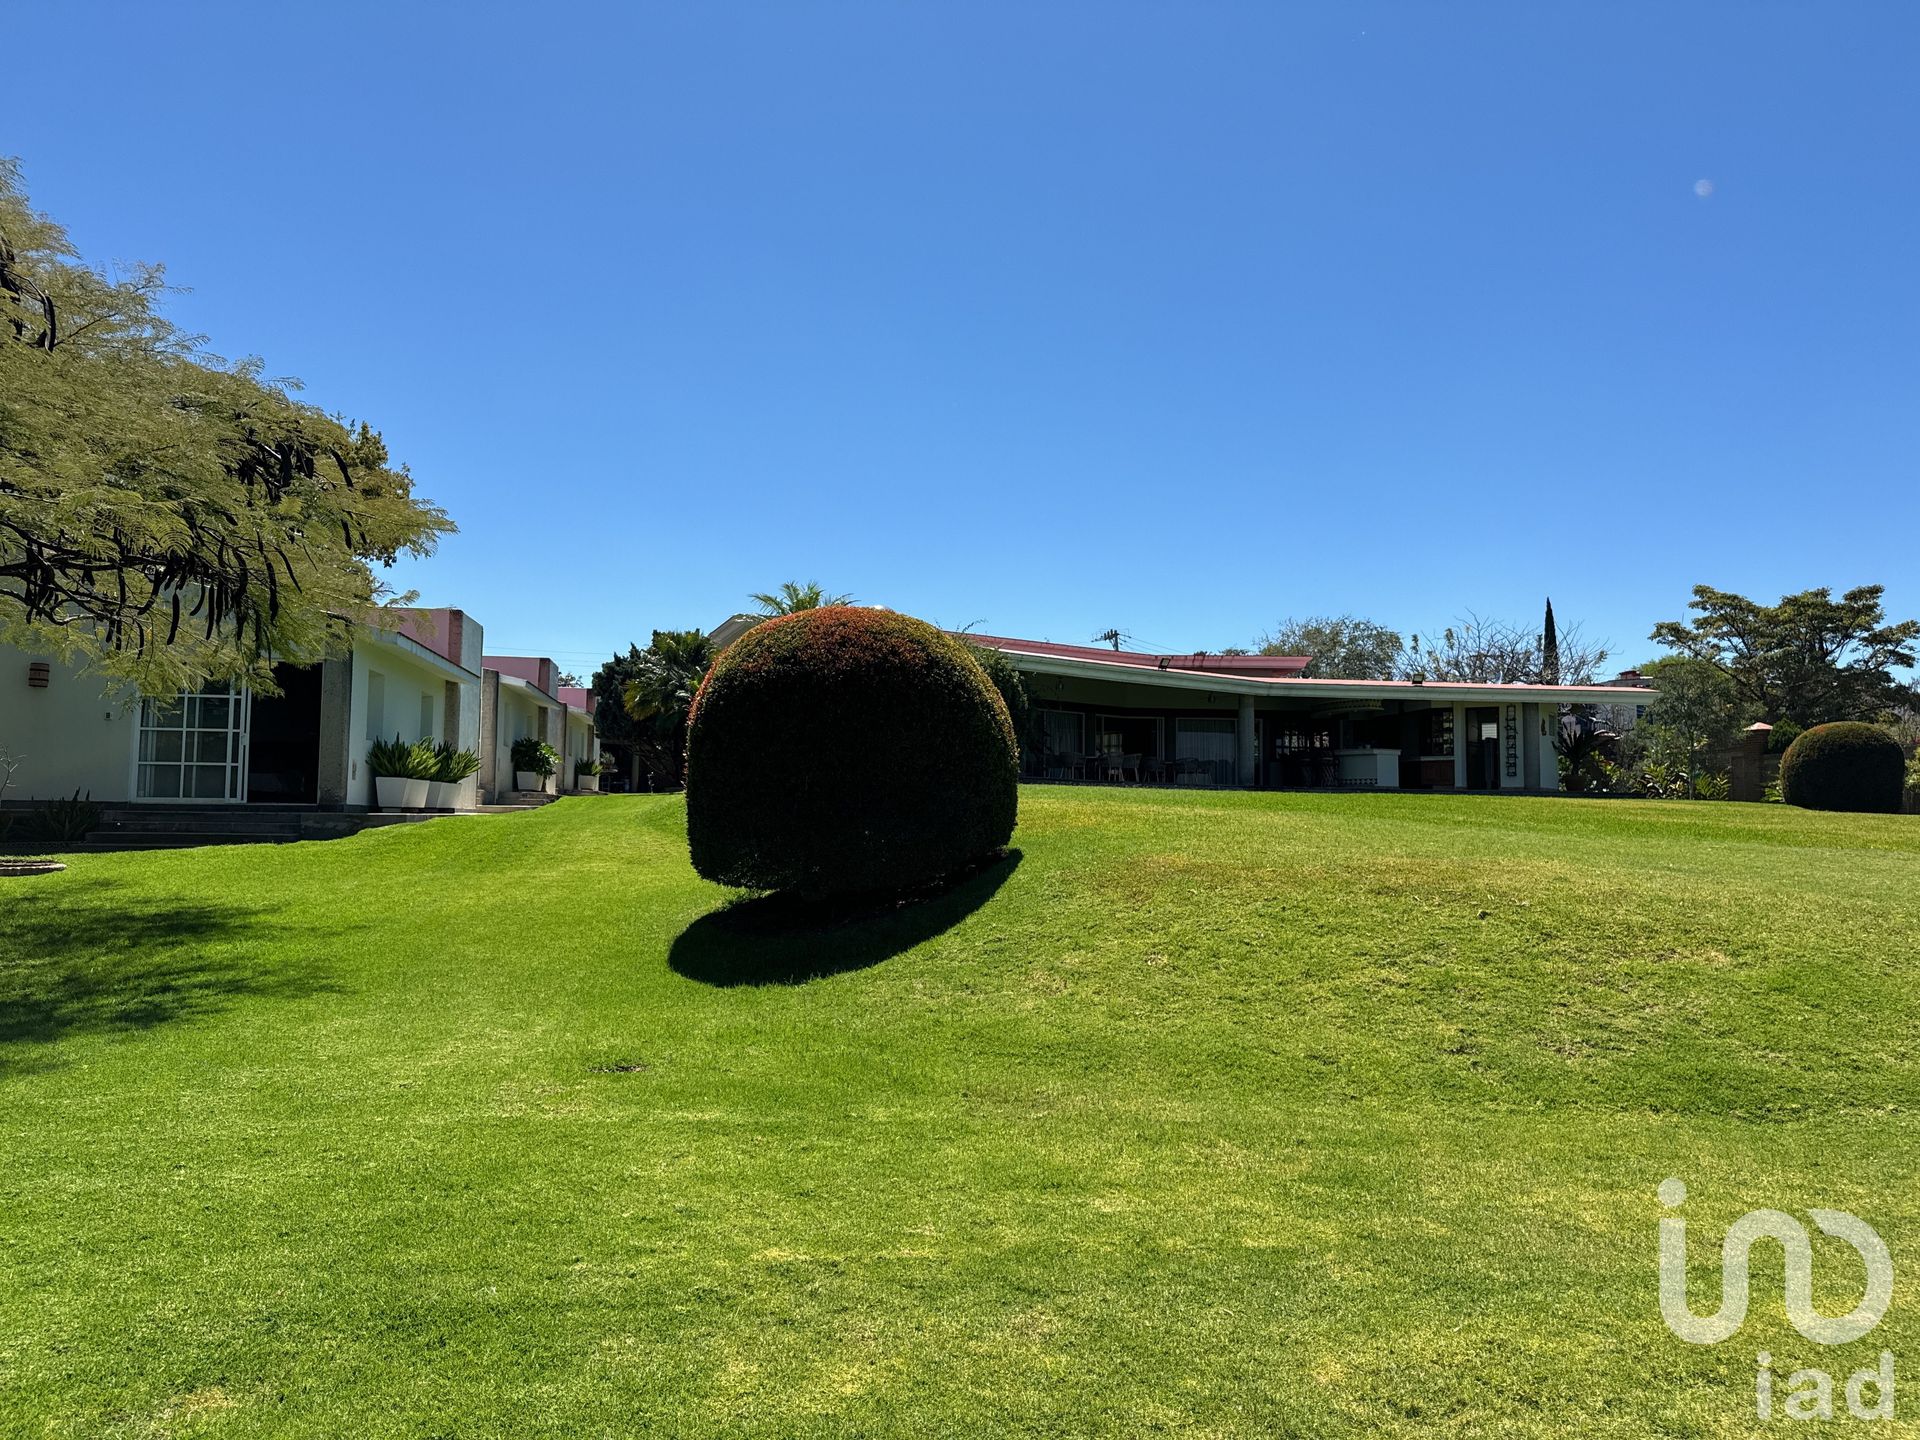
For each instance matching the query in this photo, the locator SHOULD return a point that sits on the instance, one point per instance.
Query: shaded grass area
(1204, 1114)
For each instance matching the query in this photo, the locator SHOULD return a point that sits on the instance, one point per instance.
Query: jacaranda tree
(168, 517)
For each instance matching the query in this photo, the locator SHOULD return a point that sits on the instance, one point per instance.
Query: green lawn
(1205, 1114)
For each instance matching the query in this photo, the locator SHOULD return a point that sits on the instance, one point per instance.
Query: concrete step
(104, 840)
(117, 812)
(187, 825)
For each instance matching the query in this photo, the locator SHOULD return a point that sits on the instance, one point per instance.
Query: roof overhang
(533, 691)
(1326, 691)
(420, 654)
(731, 629)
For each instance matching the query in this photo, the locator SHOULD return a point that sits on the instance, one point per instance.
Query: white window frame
(239, 730)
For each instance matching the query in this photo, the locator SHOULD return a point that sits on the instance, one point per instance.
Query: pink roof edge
(576, 697)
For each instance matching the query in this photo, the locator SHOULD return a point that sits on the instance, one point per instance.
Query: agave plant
(398, 759)
(452, 765)
(70, 819)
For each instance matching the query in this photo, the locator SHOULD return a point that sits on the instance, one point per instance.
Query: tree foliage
(1809, 659)
(1343, 647)
(1481, 651)
(1006, 678)
(166, 516)
(659, 694)
(1698, 707)
(793, 597)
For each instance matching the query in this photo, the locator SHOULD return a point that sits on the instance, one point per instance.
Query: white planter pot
(586, 784)
(394, 793)
(528, 780)
(443, 794)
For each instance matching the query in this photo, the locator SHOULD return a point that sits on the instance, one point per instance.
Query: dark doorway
(283, 754)
(1483, 749)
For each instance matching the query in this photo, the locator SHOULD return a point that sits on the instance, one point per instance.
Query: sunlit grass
(1203, 1114)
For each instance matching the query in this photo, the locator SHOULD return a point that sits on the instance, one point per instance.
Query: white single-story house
(521, 697)
(1258, 722)
(583, 735)
(224, 745)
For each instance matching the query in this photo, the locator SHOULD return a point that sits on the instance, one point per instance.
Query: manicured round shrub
(1845, 766)
(843, 750)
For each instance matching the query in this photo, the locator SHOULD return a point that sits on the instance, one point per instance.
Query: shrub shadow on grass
(781, 940)
(88, 957)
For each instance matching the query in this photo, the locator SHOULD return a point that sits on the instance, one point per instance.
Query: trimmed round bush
(844, 750)
(1844, 766)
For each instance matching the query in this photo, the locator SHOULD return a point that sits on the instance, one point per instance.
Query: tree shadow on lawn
(781, 940)
(87, 957)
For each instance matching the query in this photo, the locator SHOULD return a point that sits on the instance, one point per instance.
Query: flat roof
(1202, 661)
(1087, 663)
(431, 658)
(541, 697)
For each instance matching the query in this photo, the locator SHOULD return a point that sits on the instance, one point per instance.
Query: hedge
(843, 750)
(1844, 766)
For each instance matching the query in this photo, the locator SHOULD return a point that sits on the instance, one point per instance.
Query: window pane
(160, 782)
(213, 712)
(209, 782)
(210, 747)
(160, 745)
(161, 712)
(376, 705)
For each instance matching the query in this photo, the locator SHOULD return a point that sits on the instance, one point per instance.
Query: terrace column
(1249, 754)
(337, 750)
(489, 776)
(1460, 746)
(1549, 758)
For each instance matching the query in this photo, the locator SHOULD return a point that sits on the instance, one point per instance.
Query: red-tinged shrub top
(1845, 766)
(842, 750)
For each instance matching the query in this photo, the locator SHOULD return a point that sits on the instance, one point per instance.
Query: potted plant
(534, 762)
(586, 775)
(401, 772)
(452, 767)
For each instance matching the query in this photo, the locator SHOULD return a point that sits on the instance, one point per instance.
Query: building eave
(539, 696)
(1296, 688)
(414, 650)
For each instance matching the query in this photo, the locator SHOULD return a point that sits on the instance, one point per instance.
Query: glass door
(194, 746)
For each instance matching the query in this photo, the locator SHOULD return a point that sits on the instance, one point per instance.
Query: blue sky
(1176, 318)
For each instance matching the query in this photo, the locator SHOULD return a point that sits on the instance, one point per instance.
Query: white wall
(412, 704)
(582, 744)
(520, 716)
(78, 733)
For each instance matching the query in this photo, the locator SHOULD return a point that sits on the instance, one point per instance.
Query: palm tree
(666, 677)
(793, 596)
